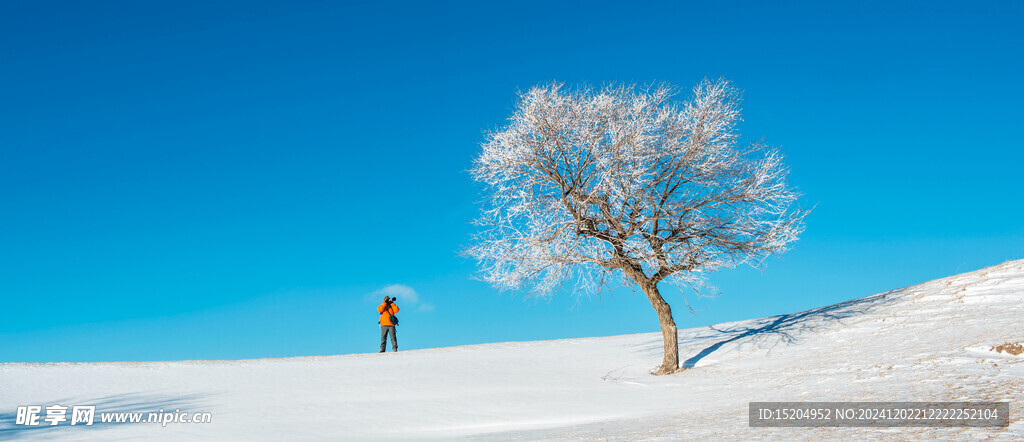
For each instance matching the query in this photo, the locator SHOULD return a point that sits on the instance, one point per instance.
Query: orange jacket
(385, 313)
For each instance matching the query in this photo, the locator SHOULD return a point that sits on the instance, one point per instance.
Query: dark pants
(384, 330)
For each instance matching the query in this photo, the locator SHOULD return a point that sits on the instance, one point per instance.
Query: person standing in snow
(387, 310)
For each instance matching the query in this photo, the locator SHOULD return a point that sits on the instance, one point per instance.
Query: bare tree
(627, 184)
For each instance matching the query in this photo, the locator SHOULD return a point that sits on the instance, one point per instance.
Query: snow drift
(929, 342)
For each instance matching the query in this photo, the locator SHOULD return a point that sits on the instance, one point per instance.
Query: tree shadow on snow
(788, 327)
(118, 403)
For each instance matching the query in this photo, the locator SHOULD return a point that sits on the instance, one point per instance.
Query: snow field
(929, 342)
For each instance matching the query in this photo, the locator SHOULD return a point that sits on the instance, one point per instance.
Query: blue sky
(231, 180)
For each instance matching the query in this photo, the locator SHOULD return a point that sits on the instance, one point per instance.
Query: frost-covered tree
(627, 184)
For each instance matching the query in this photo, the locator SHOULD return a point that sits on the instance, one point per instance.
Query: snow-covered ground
(929, 342)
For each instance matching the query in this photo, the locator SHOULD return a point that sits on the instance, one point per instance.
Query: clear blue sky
(237, 179)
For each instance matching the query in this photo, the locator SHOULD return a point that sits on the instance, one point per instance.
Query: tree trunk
(670, 362)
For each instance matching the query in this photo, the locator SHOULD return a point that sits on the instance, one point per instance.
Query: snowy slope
(926, 342)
